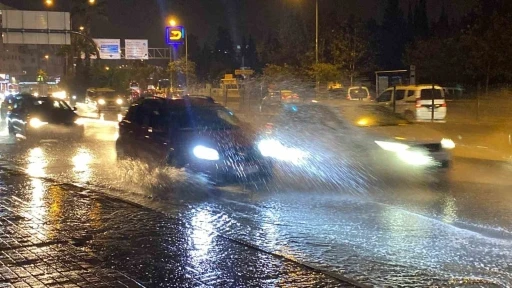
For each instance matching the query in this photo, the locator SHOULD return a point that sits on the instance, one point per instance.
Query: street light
(48, 2)
(47, 58)
(172, 22)
(81, 28)
(107, 68)
(92, 2)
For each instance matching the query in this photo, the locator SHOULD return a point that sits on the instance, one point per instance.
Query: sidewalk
(57, 235)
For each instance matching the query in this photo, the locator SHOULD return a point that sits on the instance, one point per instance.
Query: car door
(401, 105)
(18, 116)
(131, 130)
(152, 144)
(386, 98)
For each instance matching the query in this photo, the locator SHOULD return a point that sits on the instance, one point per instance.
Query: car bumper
(224, 172)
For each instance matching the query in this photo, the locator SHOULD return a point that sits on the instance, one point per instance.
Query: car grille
(241, 155)
(431, 147)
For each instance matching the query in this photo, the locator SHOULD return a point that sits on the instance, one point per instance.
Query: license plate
(251, 169)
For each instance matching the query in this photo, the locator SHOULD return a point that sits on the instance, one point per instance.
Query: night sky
(145, 18)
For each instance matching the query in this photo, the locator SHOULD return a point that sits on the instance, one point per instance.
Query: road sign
(175, 35)
(244, 72)
(109, 48)
(136, 49)
(36, 27)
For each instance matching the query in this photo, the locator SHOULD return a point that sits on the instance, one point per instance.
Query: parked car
(274, 99)
(359, 93)
(420, 102)
(194, 133)
(36, 118)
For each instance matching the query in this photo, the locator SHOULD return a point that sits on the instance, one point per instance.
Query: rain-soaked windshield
(204, 118)
(256, 143)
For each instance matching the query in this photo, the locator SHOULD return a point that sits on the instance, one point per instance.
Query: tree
(393, 39)
(325, 72)
(349, 48)
(488, 40)
(421, 26)
(178, 70)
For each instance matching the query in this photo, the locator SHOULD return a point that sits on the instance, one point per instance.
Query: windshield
(358, 92)
(205, 118)
(294, 115)
(51, 104)
(372, 115)
(429, 94)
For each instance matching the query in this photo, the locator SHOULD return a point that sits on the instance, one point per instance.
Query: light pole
(47, 57)
(172, 22)
(316, 39)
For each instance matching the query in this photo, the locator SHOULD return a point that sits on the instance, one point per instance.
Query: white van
(415, 102)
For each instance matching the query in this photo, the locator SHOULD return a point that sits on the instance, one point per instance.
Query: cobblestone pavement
(56, 235)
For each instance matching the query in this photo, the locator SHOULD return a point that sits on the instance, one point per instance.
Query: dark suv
(194, 133)
(43, 117)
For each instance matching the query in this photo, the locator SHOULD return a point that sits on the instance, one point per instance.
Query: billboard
(136, 49)
(109, 48)
(174, 35)
(36, 27)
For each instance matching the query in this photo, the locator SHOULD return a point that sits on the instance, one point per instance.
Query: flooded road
(459, 234)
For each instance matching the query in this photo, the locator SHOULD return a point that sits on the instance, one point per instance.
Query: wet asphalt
(164, 227)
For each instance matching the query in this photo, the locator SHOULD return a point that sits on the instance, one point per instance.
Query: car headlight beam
(275, 149)
(80, 121)
(392, 146)
(206, 153)
(36, 123)
(447, 144)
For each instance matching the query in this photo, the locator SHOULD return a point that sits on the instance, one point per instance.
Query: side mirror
(74, 109)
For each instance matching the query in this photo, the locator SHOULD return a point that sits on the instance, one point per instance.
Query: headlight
(447, 143)
(410, 156)
(206, 153)
(60, 95)
(101, 102)
(392, 146)
(73, 97)
(36, 94)
(119, 101)
(80, 121)
(36, 123)
(415, 158)
(275, 149)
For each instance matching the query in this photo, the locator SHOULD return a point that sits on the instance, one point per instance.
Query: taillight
(418, 104)
(269, 127)
(444, 104)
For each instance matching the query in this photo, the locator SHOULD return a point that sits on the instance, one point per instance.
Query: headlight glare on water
(206, 153)
(36, 123)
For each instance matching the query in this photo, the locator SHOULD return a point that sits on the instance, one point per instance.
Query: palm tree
(82, 14)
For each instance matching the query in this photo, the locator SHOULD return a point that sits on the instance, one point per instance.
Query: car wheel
(120, 152)
(10, 128)
(409, 116)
